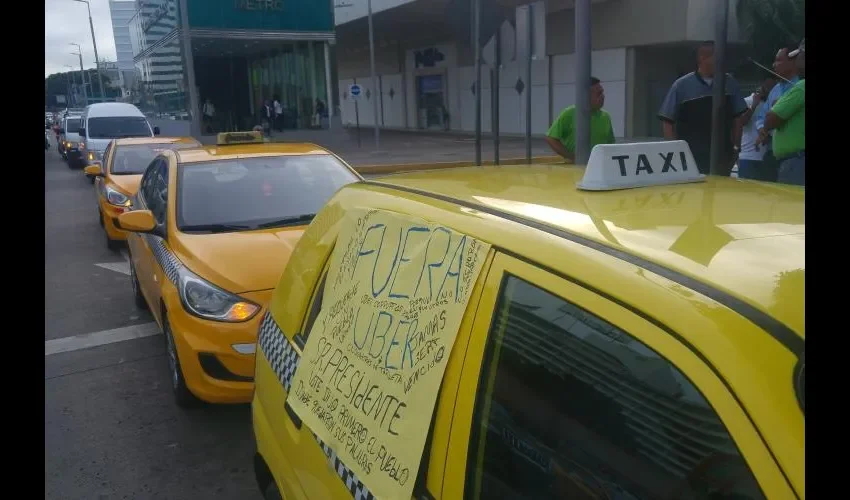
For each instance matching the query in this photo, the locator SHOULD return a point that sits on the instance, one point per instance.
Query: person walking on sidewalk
(278, 114)
(686, 112)
(561, 135)
(750, 153)
(787, 120)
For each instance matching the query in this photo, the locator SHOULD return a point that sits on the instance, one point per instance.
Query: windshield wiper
(215, 228)
(289, 221)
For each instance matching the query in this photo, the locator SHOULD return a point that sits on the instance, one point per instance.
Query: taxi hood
(241, 261)
(126, 183)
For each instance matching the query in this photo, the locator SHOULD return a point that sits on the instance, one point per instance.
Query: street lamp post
(94, 43)
(79, 53)
(375, 95)
(68, 77)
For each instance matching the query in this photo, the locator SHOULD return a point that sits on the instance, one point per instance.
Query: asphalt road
(111, 428)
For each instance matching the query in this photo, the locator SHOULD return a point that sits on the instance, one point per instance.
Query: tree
(57, 84)
(771, 25)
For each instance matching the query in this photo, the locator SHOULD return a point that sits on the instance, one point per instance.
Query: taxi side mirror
(94, 170)
(137, 221)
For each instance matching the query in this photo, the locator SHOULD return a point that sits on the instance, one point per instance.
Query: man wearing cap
(787, 120)
(562, 134)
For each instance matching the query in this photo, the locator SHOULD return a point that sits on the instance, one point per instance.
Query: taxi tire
(138, 298)
(114, 245)
(272, 493)
(182, 395)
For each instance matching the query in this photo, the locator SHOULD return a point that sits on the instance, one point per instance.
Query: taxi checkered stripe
(167, 261)
(283, 359)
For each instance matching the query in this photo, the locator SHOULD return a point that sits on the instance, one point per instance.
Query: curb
(412, 167)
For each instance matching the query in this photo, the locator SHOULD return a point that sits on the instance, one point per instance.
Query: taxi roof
(231, 151)
(744, 238)
(129, 141)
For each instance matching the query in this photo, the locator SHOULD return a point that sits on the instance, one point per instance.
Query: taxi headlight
(117, 198)
(205, 300)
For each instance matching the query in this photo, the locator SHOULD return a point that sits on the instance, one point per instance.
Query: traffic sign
(354, 91)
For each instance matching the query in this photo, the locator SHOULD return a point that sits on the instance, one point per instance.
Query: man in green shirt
(788, 118)
(561, 136)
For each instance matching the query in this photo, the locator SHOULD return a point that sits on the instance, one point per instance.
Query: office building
(425, 66)
(242, 53)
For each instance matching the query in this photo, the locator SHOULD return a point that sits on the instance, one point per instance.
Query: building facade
(241, 52)
(121, 12)
(425, 61)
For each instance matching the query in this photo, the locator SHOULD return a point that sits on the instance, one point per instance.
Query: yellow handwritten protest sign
(367, 382)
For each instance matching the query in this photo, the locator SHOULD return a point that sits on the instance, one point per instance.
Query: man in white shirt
(750, 154)
(209, 114)
(278, 114)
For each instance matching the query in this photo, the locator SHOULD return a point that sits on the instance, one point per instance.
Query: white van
(69, 141)
(105, 121)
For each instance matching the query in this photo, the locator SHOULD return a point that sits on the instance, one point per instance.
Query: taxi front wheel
(272, 493)
(182, 395)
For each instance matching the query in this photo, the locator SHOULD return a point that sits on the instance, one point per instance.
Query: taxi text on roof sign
(240, 138)
(623, 166)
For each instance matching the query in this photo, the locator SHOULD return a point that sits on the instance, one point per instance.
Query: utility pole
(718, 104)
(82, 73)
(375, 95)
(71, 80)
(189, 59)
(476, 54)
(96, 59)
(583, 71)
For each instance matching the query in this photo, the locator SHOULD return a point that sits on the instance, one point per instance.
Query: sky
(66, 22)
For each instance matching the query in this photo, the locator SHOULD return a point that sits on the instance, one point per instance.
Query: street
(111, 427)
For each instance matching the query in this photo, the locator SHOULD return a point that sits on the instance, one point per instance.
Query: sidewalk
(402, 147)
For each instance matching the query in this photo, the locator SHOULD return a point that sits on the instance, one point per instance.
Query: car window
(249, 193)
(159, 191)
(114, 127)
(72, 125)
(318, 296)
(133, 159)
(570, 406)
(147, 179)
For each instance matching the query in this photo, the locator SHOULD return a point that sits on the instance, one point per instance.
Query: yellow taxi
(211, 229)
(630, 329)
(117, 178)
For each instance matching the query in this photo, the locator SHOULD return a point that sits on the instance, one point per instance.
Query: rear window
(114, 127)
(72, 126)
(134, 159)
(253, 193)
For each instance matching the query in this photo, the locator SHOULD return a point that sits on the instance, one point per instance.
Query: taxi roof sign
(250, 137)
(639, 164)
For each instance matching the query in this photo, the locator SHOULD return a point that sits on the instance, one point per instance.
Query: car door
(319, 472)
(566, 394)
(144, 245)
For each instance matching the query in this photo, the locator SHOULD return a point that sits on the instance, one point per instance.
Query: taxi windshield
(134, 159)
(253, 193)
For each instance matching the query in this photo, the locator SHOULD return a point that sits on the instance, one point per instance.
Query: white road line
(118, 267)
(89, 340)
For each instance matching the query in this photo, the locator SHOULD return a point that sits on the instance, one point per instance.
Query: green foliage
(771, 25)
